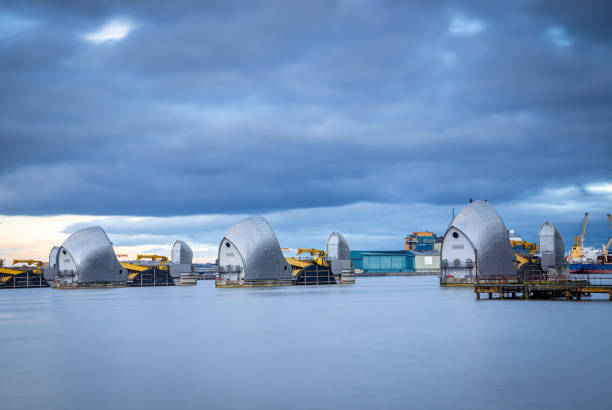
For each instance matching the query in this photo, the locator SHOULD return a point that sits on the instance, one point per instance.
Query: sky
(162, 120)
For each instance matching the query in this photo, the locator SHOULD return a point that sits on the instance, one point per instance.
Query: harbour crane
(576, 252)
(605, 247)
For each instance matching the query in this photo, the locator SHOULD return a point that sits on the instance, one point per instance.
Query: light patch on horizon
(559, 37)
(202, 253)
(600, 188)
(114, 30)
(32, 237)
(465, 27)
(565, 203)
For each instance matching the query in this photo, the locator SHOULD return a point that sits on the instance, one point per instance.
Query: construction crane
(605, 247)
(576, 251)
(162, 259)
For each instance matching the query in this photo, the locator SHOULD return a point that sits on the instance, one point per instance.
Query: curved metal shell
(338, 247)
(552, 246)
(53, 257)
(50, 270)
(181, 253)
(258, 251)
(90, 254)
(486, 232)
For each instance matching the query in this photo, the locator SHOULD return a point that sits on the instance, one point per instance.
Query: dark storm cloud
(227, 107)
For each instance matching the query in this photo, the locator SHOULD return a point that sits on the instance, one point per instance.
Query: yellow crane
(311, 251)
(605, 247)
(29, 262)
(525, 245)
(162, 259)
(317, 255)
(576, 251)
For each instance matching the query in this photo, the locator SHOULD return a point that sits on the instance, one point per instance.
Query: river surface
(383, 343)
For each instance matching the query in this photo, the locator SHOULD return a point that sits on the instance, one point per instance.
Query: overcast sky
(174, 119)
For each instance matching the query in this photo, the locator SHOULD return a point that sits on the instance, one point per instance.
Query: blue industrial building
(383, 261)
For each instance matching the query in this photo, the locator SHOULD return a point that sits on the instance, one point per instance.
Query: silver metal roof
(485, 229)
(259, 249)
(338, 247)
(181, 253)
(551, 242)
(93, 255)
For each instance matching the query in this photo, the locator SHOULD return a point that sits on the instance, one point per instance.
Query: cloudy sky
(160, 120)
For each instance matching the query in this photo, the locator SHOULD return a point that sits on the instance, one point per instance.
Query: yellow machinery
(522, 259)
(606, 247)
(29, 262)
(529, 267)
(6, 274)
(134, 269)
(297, 264)
(525, 245)
(162, 259)
(576, 251)
(17, 278)
(311, 251)
(318, 256)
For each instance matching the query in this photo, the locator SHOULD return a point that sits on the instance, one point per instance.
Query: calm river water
(383, 343)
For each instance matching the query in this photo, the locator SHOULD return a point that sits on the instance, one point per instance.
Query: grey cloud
(226, 108)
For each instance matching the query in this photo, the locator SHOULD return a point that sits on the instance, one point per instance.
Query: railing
(428, 271)
(576, 280)
(457, 263)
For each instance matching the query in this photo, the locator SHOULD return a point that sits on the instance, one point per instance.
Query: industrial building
(86, 259)
(476, 243)
(249, 255)
(382, 262)
(427, 261)
(423, 241)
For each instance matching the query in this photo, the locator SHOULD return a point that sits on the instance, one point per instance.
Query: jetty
(572, 289)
